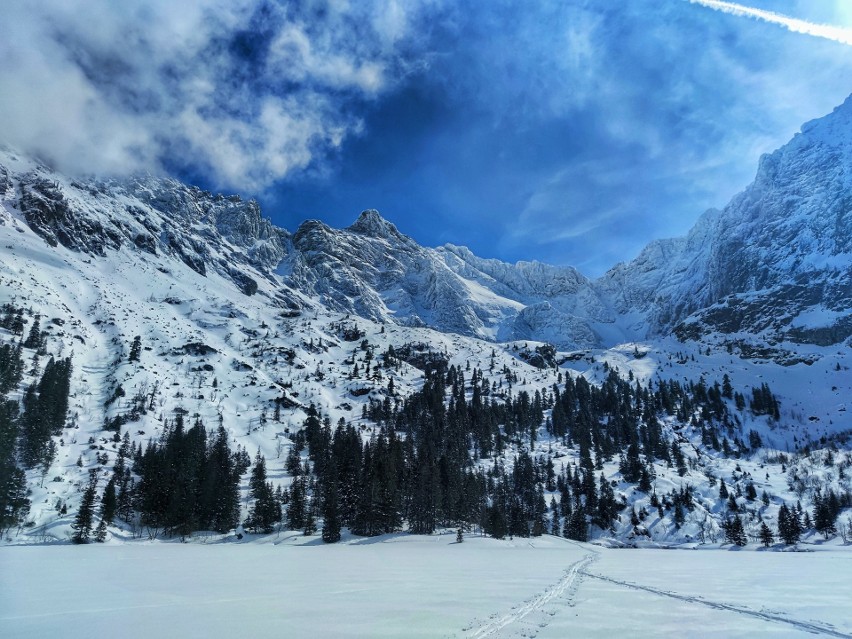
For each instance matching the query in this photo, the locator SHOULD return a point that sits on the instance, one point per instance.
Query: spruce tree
(766, 536)
(109, 502)
(135, 349)
(331, 512)
(101, 532)
(82, 525)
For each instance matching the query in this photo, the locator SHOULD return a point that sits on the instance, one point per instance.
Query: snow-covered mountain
(774, 263)
(374, 271)
(246, 325)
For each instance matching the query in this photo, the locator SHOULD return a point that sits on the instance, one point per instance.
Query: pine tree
(331, 512)
(45, 410)
(645, 480)
(789, 527)
(679, 515)
(734, 532)
(16, 326)
(727, 389)
(310, 520)
(824, 519)
(266, 510)
(109, 502)
(293, 463)
(296, 505)
(576, 527)
(101, 532)
(679, 459)
(555, 528)
(732, 503)
(124, 501)
(606, 506)
(766, 536)
(751, 492)
(135, 349)
(82, 525)
(14, 504)
(34, 338)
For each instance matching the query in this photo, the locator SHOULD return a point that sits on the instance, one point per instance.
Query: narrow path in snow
(806, 626)
(569, 583)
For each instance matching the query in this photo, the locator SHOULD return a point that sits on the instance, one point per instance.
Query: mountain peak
(834, 129)
(370, 222)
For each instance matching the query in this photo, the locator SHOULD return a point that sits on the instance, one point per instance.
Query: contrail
(829, 32)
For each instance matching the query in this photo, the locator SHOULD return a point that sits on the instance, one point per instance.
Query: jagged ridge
(774, 264)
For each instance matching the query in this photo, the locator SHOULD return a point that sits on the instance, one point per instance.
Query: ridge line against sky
(827, 31)
(571, 132)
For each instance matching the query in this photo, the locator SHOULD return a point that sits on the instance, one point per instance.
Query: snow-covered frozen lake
(409, 586)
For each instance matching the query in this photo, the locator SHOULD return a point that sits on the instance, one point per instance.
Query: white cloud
(295, 57)
(245, 90)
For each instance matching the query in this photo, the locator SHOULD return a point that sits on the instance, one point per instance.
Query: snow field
(390, 586)
(419, 586)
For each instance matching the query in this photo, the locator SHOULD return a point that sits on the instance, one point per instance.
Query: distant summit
(370, 222)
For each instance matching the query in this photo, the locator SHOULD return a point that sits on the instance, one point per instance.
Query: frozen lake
(409, 586)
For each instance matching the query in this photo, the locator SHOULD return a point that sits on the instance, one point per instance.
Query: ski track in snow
(807, 626)
(569, 583)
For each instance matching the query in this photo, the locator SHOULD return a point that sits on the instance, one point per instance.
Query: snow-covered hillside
(774, 264)
(714, 360)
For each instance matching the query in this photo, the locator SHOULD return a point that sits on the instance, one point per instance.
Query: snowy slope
(236, 317)
(775, 263)
(256, 352)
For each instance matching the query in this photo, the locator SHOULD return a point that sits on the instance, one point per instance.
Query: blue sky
(571, 132)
